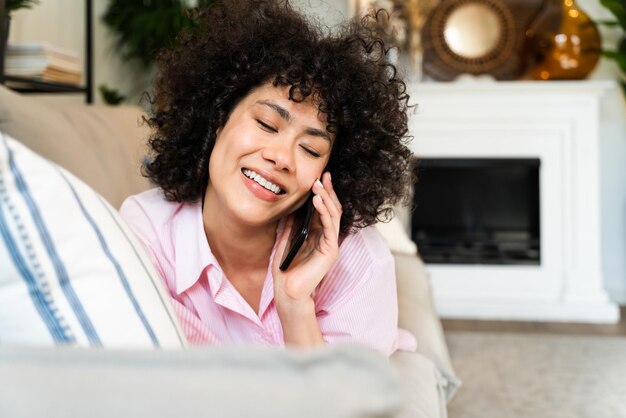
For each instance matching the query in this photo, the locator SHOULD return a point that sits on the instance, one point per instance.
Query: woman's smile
(261, 187)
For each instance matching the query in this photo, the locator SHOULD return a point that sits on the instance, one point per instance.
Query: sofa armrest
(423, 385)
(417, 314)
(229, 382)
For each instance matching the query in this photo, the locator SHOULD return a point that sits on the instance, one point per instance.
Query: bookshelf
(30, 85)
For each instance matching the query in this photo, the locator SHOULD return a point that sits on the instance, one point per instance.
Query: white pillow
(396, 237)
(71, 271)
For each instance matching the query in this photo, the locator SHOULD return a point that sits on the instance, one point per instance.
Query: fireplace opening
(477, 211)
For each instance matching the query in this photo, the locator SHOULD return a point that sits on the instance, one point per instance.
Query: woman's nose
(280, 153)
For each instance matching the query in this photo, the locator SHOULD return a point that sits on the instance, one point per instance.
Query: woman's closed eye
(310, 151)
(266, 127)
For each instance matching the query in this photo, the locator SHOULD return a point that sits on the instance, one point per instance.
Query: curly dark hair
(238, 45)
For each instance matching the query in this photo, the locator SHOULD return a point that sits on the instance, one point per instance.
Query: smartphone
(299, 231)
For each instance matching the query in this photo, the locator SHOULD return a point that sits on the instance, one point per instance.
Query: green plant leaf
(620, 59)
(143, 27)
(609, 23)
(11, 5)
(110, 96)
(618, 8)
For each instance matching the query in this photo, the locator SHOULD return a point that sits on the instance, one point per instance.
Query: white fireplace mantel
(559, 123)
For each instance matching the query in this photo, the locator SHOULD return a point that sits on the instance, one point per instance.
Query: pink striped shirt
(356, 301)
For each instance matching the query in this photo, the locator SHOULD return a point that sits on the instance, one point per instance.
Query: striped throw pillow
(71, 272)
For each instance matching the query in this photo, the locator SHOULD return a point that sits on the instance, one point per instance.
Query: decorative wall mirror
(473, 31)
(477, 37)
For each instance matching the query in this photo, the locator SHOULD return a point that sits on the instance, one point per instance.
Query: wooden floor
(538, 327)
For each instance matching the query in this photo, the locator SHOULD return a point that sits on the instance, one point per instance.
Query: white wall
(613, 194)
(330, 12)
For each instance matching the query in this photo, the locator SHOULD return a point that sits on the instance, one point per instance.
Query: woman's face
(267, 157)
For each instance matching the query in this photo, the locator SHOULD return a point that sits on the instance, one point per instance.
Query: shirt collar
(190, 243)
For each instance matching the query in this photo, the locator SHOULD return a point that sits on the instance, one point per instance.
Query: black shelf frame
(31, 85)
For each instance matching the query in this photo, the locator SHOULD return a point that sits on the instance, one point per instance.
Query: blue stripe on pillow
(172, 320)
(41, 300)
(118, 268)
(59, 267)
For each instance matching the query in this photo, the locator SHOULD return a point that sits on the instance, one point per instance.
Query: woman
(252, 112)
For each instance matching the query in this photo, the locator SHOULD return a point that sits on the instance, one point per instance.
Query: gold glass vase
(569, 53)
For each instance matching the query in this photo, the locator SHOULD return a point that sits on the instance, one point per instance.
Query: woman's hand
(293, 287)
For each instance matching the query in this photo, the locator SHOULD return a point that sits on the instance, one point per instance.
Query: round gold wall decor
(476, 37)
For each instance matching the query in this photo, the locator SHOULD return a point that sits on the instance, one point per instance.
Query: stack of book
(43, 61)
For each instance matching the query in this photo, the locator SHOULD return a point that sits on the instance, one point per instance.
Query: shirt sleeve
(364, 309)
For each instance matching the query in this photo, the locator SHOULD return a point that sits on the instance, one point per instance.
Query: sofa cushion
(232, 382)
(70, 271)
(101, 145)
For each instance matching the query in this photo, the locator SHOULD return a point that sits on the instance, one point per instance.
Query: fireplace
(508, 200)
(478, 211)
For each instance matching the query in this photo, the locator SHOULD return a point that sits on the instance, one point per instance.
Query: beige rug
(512, 375)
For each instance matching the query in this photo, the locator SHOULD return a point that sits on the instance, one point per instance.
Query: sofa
(104, 147)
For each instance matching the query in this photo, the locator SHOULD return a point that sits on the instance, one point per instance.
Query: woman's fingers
(328, 185)
(329, 213)
(329, 226)
(329, 198)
